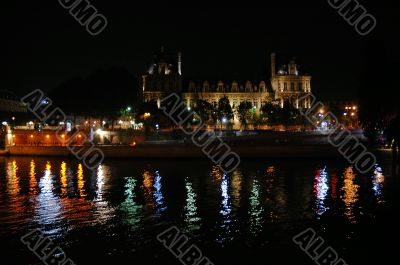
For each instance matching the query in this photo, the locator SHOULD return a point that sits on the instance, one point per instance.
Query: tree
(224, 109)
(204, 110)
(243, 111)
(289, 115)
(269, 113)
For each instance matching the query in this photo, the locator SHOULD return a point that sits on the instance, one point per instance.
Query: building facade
(287, 84)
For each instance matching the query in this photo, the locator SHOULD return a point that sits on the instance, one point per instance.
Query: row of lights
(48, 136)
(351, 108)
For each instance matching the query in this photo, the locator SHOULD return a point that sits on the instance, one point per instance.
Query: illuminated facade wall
(287, 84)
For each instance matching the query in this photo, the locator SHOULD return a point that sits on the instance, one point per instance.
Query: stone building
(287, 84)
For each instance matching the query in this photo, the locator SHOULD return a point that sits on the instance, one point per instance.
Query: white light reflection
(102, 210)
(192, 220)
(225, 231)
(49, 210)
(321, 191)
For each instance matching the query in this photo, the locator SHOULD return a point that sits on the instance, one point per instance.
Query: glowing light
(321, 111)
(13, 135)
(354, 107)
(377, 183)
(321, 190)
(345, 114)
(100, 132)
(352, 114)
(81, 181)
(191, 216)
(13, 118)
(120, 122)
(189, 108)
(31, 135)
(256, 209)
(350, 193)
(224, 120)
(79, 136)
(147, 115)
(157, 126)
(64, 177)
(63, 136)
(128, 108)
(158, 196)
(4, 123)
(47, 136)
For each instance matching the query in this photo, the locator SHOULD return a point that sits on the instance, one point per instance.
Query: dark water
(113, 214)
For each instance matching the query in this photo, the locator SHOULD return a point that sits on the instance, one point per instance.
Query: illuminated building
(287, 84)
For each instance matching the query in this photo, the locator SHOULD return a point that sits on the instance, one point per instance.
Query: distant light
(254, 107)
(62, 135)
(321, 111)
(224, 120)
(62, 123)
(347, 108)
(4, 123)
(13, 118)
(100, 132)
(86, 122)
(189, 108)
(352, 114)
(13, 135)
(128, 108)
(31, 135)
(157, 126)
(354, 107)
(345, 114)
(132, 122)
(94, 122)
(104, 122)
(79, 136)
(30, 123)
(47, 136)
(120, 122)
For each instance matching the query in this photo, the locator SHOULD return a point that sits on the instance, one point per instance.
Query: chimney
(273, 63)
(180, 63)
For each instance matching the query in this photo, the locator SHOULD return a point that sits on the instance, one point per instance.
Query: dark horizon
(46, 47)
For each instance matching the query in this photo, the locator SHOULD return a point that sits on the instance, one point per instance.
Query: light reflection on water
(60, 196)
(256, 210)
(49, 210)
(377, 183)
(226, 224)
(192, 219)
(321, 190)
(350, 196)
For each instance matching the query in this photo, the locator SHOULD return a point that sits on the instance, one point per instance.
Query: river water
(114, 213)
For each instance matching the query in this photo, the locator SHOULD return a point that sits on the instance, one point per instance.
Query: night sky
(46, 46)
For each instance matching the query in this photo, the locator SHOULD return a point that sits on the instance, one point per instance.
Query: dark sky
(45, 46)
